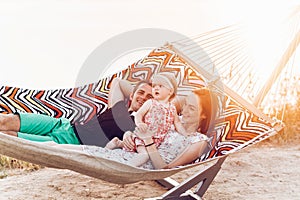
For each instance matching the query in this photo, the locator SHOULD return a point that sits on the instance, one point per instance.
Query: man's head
(141, 93)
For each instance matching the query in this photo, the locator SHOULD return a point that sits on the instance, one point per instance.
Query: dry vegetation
(8, 163)
(291, 132)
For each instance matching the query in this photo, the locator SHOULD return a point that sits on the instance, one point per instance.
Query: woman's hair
(207, 100)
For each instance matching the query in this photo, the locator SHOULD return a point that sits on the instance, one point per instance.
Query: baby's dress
(160, 119)
(173, 144)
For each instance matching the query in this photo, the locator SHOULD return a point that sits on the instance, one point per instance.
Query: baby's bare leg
(114, 143)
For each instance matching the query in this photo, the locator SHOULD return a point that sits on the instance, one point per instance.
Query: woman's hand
(128, 138)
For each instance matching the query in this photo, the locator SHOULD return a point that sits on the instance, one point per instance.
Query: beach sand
(258, 172)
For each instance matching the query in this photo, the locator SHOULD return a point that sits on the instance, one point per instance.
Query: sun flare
(267, 36)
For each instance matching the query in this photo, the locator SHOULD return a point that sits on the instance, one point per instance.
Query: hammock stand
(183, 190)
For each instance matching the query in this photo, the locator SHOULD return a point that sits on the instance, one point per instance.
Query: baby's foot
(114, 143)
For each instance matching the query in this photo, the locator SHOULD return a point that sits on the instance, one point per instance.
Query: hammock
(101, 168)
(239, 123)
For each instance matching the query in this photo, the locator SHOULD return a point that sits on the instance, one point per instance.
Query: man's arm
(119, 90)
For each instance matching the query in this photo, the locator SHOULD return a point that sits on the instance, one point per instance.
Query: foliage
(11, 163)
(291, 119)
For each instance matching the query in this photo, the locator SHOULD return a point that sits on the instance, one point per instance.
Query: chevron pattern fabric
(236, 127)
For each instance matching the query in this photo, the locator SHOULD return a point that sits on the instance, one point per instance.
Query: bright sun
(267, 35)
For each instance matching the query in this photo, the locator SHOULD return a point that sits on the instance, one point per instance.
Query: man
(116, 120)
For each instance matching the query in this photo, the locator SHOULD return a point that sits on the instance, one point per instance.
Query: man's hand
(128, 140)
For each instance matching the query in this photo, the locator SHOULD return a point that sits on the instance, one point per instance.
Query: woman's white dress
(173, 144)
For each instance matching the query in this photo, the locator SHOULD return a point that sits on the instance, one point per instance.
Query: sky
(43, 44)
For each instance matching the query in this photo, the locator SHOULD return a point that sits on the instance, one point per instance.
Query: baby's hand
(144, 135)
(142, 127)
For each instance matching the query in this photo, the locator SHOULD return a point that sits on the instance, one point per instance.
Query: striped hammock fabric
(236, 127)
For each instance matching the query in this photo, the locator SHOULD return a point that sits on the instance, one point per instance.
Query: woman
(176, 149)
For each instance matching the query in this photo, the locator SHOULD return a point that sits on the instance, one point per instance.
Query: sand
(258, 172)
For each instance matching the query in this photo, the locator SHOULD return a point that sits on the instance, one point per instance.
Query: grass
(291, 133)
(11, 163)
(7, 163)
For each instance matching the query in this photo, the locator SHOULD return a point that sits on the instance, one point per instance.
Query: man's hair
(136, 87)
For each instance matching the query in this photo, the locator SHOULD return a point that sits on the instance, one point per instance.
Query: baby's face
(161, 91)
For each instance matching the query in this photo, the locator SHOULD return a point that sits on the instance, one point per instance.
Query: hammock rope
(230, 58)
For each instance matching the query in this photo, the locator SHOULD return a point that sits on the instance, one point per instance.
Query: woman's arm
(119, 90)
(190, 154)
(152, 151)
(155, 157)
